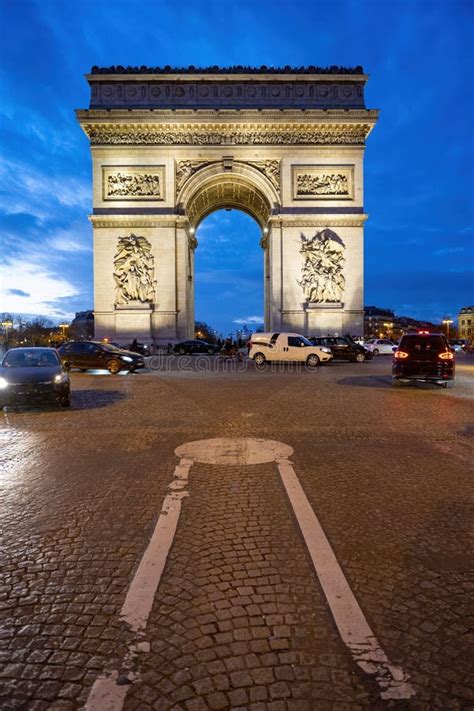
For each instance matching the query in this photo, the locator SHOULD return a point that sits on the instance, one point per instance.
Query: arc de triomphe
(170, 146)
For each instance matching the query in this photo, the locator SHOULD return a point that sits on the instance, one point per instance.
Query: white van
(287, 347)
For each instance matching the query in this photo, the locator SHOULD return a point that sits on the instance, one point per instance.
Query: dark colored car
(95, 354)
(33, 376)
(195, 346)
(425, 357)
(343, 348)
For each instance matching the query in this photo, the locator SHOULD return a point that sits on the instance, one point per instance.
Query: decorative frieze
(133, 183)
(330, 91)
(134, 271)
(325, 182)
(139, 134)
(322, 274)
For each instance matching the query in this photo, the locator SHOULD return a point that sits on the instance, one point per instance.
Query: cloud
(17, 292)
(39, 192)
(30, 288)
(249, 319)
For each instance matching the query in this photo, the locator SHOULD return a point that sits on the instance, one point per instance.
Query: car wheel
(113, 366)
(259, 359)
(66, 402)
(312, 361)
(182, 351)
(375, 352)
(360, 358)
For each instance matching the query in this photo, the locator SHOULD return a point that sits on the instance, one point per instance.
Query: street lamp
(389, 327)
(447, 321)
(63, 326)
(6, 325)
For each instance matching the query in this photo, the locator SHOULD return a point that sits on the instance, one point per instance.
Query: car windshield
(30, 358)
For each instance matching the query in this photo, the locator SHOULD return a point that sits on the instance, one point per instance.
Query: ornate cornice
(133, 221)
(234, 69)
(227, 135)
(214, 116)
(322, 221)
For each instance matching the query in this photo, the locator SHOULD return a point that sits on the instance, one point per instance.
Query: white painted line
(140, 596)
(106, 694)
(348, 616)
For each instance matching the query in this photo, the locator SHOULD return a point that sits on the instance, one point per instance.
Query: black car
(195, 346)
(33, 376)
(425, 357)
(95, 354)
(343, 348)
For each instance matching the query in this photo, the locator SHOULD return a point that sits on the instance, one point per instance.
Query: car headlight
(325, 350)
(60, 378)
(127, 358)
(3, 384)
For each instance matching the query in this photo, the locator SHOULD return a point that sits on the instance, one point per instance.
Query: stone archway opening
(234, 188)
(228, 273)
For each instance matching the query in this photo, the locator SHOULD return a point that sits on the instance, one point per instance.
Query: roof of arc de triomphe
(210, 105)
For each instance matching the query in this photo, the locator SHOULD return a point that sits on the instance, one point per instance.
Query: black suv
(95, 354)
(195, 346)
(425, 357)
(343, 348)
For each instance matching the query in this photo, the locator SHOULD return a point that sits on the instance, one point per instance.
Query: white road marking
(106, 694)
(140, 596)
(233, 451)
(348, 616)
(110, 689)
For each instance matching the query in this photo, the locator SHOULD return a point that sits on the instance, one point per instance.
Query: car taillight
(446, 356)
(400, 355)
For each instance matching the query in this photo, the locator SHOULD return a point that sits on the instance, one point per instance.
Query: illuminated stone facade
(171, 146)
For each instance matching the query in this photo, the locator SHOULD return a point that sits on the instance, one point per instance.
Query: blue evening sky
(419, 178)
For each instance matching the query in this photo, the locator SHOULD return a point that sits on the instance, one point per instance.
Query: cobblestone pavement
(239, 620)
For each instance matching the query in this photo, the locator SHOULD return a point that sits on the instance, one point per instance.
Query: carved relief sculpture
(186, 168)
(134, 135)
(322, 273)
(134, 271)
(323, 182)
(270, 168)
(128, 183)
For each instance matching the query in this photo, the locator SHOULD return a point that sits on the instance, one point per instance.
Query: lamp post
(6, 325)
(389, 328)
(447, 321)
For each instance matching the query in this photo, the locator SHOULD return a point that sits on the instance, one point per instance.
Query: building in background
(82, 326)
(378, 323)
(384, 323)
(466, 323)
